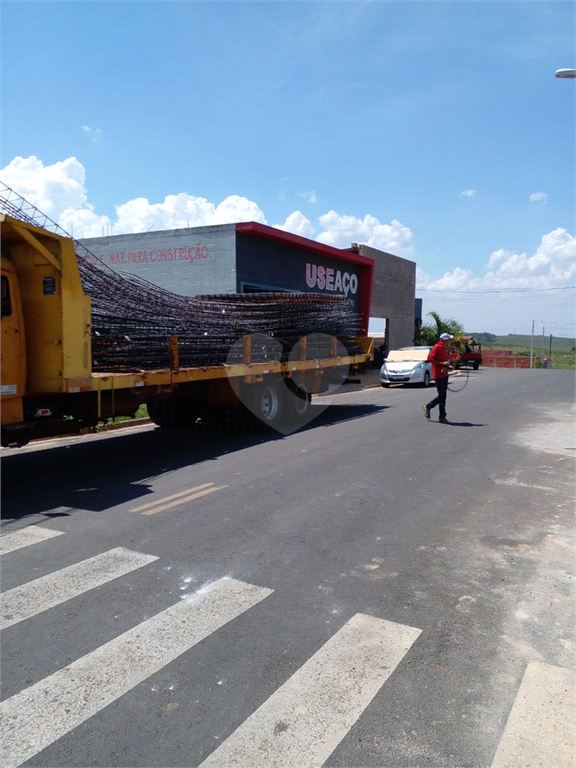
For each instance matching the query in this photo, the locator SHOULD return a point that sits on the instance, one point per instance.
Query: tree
(429, 334)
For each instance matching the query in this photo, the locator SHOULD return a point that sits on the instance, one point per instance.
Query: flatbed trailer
(49, 387)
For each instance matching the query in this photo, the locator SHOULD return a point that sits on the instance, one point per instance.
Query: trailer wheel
(161, 415)
(265, 404)
(169, 414)
(155, 413)
(297, 400)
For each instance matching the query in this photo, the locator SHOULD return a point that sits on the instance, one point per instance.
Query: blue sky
(433, 130)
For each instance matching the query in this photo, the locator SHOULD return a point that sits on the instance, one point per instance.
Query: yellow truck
(49, 386)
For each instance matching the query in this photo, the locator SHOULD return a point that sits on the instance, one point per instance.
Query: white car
(407, 366)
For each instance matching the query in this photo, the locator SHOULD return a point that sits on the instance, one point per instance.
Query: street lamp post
(571, 73)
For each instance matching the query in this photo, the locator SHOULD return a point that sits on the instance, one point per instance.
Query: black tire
(385, 384)
(476, 366)
(426, 382)
(297, 402)
(265, 404)
(157, 414)
(173, 414)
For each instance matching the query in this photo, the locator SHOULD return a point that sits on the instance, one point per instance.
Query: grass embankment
(564, 360)
(563, 350)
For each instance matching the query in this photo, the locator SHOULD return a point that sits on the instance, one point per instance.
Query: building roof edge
(280, 236)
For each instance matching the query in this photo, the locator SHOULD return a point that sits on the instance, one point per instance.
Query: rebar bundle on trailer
(132, 319)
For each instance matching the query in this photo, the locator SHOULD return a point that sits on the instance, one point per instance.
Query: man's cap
(445, 336)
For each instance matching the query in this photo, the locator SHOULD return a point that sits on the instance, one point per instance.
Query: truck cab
(13, 346)
(471, 356)
(45, 327)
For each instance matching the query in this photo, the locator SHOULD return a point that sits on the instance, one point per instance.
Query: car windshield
(408, 354)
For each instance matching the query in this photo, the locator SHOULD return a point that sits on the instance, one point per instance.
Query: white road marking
(540, 728)
(36, 717)
(36, 596)
(309, 715)
(33, 534)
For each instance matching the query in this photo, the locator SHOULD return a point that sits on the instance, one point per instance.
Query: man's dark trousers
(440, 399)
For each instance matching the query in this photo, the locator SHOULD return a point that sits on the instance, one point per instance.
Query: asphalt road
(372, 590)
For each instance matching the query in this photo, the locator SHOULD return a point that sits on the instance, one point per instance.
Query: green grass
(559, 344)
(566, 360)
(141, 413)
(563, 354)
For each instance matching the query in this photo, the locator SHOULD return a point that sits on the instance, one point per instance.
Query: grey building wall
(393, 294)
(190, 262)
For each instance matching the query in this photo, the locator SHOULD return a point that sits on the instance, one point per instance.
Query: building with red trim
(245, 257)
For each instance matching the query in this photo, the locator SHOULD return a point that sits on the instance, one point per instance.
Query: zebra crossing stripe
(540, 728)
(36, 596)
(37, 716)
(25, 537)
(309, 715)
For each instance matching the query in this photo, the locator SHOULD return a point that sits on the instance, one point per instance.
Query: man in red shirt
(439, 358)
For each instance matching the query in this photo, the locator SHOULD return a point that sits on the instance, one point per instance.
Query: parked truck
(49, 386)
(470, 354)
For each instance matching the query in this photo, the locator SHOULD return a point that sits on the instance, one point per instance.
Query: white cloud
(235, 208)
(310, 196)
(93, 132)
(51, 188)
(553, 265)
(500, 301)
(340, 231)
(183, 210)
(58, 191)
(297, 224)
(498, 257)
(459, 279)
(83, 222)
(539, 197)
(468, 192)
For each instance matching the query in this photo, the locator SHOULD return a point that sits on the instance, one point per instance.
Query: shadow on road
(96, 474)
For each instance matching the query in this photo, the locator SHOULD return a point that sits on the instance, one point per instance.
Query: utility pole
(532, 345)
(542, 345)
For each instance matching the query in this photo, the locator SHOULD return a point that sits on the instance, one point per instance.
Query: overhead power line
(509, 290)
